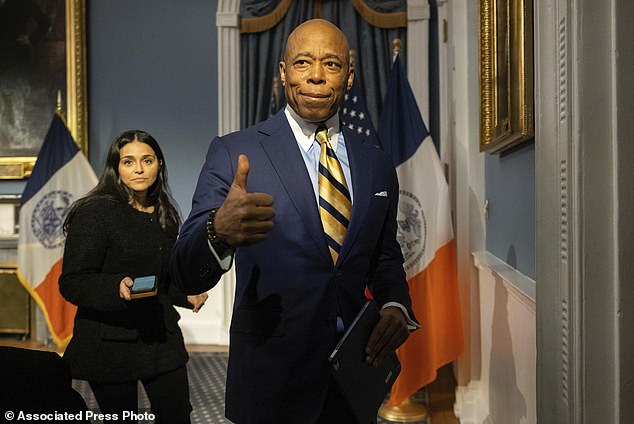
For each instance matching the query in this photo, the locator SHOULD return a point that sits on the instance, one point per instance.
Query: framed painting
(506, 74)
(42, 53)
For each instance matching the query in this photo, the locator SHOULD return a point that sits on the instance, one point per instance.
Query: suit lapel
(360, 173)
(281, 148)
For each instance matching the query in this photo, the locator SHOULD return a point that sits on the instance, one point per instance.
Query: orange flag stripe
(439, 341)
(60, 313)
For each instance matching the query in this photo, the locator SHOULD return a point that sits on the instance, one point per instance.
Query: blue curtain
(253, 8)
(373, 47)
(262, 51)
(260, 56)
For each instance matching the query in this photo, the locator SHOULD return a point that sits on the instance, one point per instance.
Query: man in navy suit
(291, 300)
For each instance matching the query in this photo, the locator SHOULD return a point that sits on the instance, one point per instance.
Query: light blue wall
(12, 187)
(510, 190)
(152, 66)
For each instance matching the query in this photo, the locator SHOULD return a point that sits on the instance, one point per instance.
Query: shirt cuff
(224, 262)
(411, 324)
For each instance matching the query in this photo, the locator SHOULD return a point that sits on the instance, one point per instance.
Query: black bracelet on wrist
(221, 248)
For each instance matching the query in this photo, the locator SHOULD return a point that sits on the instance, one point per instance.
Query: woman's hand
(198, 300)
(124, 288)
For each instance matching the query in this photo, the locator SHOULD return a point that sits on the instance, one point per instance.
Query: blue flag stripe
(401, 126)
(57, 150)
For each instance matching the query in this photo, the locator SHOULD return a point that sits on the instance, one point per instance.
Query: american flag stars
(354, 117)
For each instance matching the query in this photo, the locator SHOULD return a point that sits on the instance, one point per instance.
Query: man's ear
(283, 73)
(350, 79)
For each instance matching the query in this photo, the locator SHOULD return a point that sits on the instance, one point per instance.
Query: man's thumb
(242, 172)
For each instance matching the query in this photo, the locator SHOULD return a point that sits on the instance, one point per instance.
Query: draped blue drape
(259, 58)
(261, 52)
(373, 47)
(253, 8)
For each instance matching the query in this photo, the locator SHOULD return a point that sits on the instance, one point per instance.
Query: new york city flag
(425, 234)
(60, 176)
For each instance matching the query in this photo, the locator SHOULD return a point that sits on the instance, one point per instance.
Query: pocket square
(381, 194)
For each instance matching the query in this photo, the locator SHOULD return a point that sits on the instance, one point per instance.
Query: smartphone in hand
(143, 287)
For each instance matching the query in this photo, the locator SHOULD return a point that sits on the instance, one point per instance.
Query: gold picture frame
(506, 74)
(17, 163)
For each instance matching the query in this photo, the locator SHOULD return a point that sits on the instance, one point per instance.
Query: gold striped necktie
(335, 204)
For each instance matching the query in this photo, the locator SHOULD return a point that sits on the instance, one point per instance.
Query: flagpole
(409, 410)
(276, 92)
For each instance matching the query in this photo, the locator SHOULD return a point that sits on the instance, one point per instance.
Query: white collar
(304, 132)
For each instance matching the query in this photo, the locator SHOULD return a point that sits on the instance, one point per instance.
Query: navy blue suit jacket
(287, 289)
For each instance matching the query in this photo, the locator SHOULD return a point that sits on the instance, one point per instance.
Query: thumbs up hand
(244, 218)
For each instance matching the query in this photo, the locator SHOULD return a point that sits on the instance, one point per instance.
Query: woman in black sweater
(124, 229)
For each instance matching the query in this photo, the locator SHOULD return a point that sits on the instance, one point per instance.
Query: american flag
(355, 115)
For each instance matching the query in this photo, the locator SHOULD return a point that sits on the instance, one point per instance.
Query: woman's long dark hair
(111, 187)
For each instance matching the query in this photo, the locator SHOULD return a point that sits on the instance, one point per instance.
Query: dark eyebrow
(142, 157)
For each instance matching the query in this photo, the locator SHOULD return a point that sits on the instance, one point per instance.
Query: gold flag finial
(353, 57)
(396, 46)
(58, 106)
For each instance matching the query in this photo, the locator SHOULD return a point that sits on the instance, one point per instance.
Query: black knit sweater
(114, 339)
